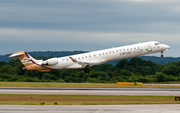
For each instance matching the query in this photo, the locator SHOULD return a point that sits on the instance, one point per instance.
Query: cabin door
(149, 47)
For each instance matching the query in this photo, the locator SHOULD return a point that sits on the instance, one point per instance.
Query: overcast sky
(68, 25)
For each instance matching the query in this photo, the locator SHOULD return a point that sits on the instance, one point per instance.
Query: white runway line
(91, 92)
(153, 108)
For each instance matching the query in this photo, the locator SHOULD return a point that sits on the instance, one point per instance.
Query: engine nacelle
(50, 62)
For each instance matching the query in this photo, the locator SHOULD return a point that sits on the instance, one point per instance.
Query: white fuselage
(102, 56)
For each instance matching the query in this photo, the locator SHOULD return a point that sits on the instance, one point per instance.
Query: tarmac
(156, 108)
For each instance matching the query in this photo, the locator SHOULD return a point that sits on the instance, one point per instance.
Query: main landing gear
(162, 54)
(86, 70)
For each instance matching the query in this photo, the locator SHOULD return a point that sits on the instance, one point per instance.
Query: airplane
(89, 59)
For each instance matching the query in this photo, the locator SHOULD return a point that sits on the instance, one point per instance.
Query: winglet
(72, 59)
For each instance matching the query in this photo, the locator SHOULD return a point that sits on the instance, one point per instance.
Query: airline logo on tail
(26, 60)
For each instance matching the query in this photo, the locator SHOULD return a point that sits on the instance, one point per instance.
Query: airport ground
(88, 98)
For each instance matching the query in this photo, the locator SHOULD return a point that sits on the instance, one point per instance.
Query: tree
(7, 69)
(46, 76)
(65, 72)
(92, 80)
(85, 77)
(171, 78)
(125, 72)
(68, 79)
(160, 77)
(121, 64)
(3, 63)
(145, 70)
(170, 70)
(19, 70)
(13, 79)
(14, 62)
(119, 79)
(143, 79)
(60, 80)
(34, 74)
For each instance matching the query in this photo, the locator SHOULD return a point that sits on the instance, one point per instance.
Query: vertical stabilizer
(29, 62)
(23, 57)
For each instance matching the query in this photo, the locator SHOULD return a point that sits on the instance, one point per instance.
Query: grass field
(80, 85)
(20, 99)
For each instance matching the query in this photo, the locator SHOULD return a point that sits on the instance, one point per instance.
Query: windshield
(157, 44)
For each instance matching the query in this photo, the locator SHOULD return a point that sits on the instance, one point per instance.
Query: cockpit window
(157, 44)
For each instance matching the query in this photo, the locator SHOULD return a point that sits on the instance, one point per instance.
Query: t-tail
(29, 62)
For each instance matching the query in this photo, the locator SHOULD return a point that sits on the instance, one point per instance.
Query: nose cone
(166, 47)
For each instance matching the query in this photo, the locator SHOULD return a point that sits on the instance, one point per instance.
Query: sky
(68, 25)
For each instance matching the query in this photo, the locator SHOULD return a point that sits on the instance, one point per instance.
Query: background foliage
(135, 69)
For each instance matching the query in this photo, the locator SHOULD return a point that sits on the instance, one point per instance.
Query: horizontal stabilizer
(17, 54)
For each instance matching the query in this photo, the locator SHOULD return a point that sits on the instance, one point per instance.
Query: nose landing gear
(162, 54)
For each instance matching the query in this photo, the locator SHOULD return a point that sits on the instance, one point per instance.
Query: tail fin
(29, 62)
(23, 57)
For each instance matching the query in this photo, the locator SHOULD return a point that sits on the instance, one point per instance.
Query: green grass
(80, 85)
(23, 99)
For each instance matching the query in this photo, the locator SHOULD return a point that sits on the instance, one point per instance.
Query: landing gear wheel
(162, 54)
(86, 70)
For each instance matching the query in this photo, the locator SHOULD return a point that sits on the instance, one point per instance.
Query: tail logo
(26, 60)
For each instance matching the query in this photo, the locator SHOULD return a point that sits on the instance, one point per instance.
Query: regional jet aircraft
(89, 59)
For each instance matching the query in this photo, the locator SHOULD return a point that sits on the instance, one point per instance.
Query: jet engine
(50, 62)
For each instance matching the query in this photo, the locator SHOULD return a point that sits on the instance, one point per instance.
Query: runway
(91, 91)
(156, 108)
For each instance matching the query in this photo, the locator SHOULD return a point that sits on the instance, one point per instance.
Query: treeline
(125, 70)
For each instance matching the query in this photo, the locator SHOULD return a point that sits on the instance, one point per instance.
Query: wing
(87, 63)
